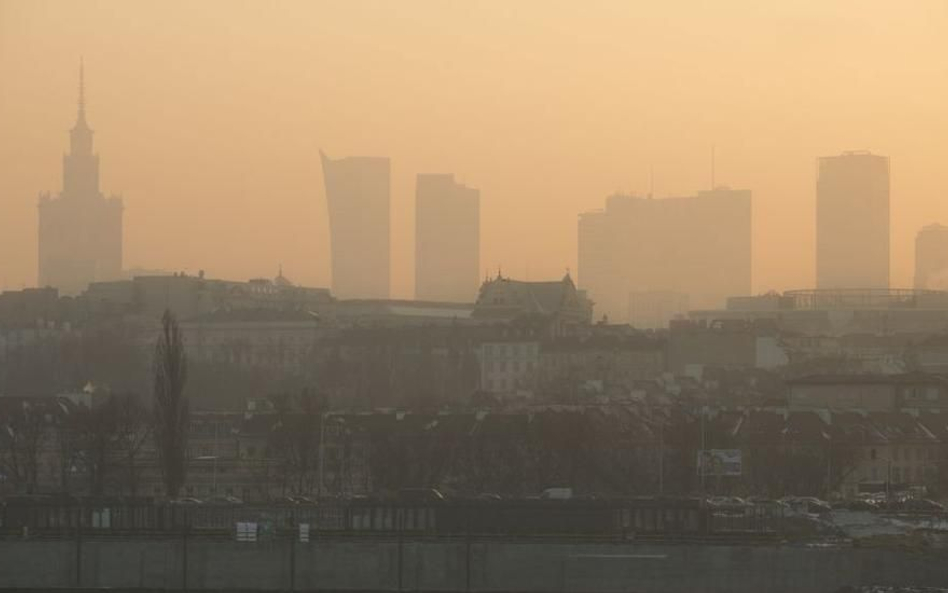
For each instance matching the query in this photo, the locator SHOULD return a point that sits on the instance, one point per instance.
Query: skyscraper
(80, 230)
(931, 257)
(852, 221)
(357, 190)
(447, 239)
(698, 248)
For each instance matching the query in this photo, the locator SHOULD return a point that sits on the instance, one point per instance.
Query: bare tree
(133, 432)
(23, 434)
(171, 410)
(97, 436)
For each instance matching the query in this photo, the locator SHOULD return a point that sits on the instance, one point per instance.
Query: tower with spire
(80, 230)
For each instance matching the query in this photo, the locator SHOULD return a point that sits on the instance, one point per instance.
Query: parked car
(419, 495)
(488, 496)
(807, 504)
(921, 505)
(727, 501)
(185, 500)
(557, 494)
(856, 504)
(224, 500)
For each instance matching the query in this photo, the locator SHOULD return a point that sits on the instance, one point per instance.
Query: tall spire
(81, 165)
(81, 116)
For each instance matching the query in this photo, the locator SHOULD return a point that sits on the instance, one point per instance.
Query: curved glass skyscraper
(358, 192)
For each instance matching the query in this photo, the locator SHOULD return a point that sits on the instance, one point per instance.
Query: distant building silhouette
(931, 257)
(358, 193)
(852, 221)
(80, 231)
(654, 309)
(447, 240)
(503, 299)
(698, 248)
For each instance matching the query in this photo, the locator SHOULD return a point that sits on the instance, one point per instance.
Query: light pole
(661, 456)
(322, 454)
(701, 470)
(214, 471)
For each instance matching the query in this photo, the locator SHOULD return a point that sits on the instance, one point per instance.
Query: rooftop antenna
(82, 83)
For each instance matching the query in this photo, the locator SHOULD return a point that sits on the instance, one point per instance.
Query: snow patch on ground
(857, 524)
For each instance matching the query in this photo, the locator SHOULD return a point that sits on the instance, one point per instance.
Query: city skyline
(257, 159)
(358, 196)
(474, 296)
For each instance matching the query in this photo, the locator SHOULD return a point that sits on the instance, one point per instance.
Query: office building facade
(447, 240)
(358, 192)
(931, 257)
(698, 248)
(852, 221)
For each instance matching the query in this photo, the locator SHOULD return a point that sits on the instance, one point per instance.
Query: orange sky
(209, 117)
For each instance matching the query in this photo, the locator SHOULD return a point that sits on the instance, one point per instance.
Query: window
(873, 455)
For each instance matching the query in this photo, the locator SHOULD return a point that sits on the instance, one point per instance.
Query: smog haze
(209, 119)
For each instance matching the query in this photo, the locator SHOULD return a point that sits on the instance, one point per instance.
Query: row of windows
(389, 518)
(503, 366)
(907, 453)
(213, 491)
(912, 474)
(509, 349)
(502, 384)
(660, 519)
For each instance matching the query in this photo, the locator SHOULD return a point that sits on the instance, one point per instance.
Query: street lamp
(322, 454)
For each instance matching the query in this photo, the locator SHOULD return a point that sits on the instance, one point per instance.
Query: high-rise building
(358, 193)
(931, 257)
(698, 248)
(80, 230)
(447, 240)
(852, 221)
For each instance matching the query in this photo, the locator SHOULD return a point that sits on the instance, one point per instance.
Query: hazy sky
(209, 117)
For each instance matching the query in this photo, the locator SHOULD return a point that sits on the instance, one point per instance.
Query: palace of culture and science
(80, 231)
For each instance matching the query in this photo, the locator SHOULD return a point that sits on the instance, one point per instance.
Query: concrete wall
(439, 565)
